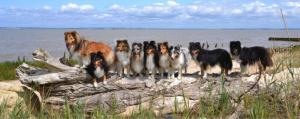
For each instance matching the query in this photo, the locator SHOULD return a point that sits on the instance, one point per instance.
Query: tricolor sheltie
(152, 58)
(137, 58)
(180, 59)
(250, 55)
(98, 67)
(81, 48)
(164, 58)
(210, 58)
(123, 55)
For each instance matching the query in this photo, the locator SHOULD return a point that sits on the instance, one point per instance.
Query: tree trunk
(61, 82)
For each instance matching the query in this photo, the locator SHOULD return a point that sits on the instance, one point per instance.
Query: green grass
(7, 69)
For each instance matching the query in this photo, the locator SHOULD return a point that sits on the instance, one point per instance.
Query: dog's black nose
(120, 50)
(161, 52)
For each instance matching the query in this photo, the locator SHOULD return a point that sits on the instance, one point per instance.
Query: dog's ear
(145, 42)
(177, 48)
(99, 53)
(126, 41)
(132, 45)
(198, 44)
(118, 41)
(191, 43)
(66, 33)
(92, 54)
(170, 48)
(73, 33)
(166, 44)
(159, 44)
(238, 42)
(140, 45)
(152, 42)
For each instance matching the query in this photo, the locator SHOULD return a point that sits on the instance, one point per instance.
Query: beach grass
(7, 68)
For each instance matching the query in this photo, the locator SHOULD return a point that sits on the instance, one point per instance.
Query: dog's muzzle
(69, 45)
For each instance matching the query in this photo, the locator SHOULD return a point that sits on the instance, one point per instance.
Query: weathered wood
(75, 85)
(283, 39)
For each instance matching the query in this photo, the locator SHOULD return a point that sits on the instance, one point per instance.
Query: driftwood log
(60, 82)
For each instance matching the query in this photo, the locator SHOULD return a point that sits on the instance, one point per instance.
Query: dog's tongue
(69, 46)
(96, 66)
(136, 55)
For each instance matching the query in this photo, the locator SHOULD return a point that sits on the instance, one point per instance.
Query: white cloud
(115, 7)
(172, 3)
(274, 5)
(158, 3)
(47, 7)
(13, 7)
(1, 7)
(291, 4)
(104, 16)
(197, 2)
(75, 7)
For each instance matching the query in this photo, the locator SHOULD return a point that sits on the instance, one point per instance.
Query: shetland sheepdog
(210, 58)
(164, 58)
(250, 55)
(152, 58)
(80, 48)
(98, 67)
(180, 59)
(137, 59)
(123, 56)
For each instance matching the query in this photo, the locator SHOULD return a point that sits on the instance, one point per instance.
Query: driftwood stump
(60, 82)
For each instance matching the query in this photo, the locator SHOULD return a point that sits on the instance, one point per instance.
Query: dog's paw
(105, 83)
(95, 85)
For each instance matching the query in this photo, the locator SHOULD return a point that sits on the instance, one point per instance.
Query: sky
(190, 14)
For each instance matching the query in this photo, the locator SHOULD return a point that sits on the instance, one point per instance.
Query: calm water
(21, 42)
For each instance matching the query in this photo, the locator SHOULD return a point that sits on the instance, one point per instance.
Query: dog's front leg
(119, 69)
(128, 70)
(180, 72)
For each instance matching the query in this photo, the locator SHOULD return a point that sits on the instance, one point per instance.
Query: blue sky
(198, 14)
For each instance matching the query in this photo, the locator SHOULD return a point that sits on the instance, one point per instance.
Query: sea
(22, 42)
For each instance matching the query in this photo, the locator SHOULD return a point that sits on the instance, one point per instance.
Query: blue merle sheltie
(164, 58)
(98, 67)
(209, 58)
(180, 59)
(250, 55)
(137, 58)
(151, 58)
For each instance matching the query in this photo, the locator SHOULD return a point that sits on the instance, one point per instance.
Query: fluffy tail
(270, 62)
(229, 64)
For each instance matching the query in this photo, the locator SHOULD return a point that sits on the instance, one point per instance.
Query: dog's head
(174, 52)
(72, 39)
(150, 48)
(235, 47)
(163, 48)
(122, 46)
(137, 49)
(194, 48)
(97, 59)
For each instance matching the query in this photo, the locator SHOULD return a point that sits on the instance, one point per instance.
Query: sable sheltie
(164, 58)
(250, 55)
(98, 67)
(210, 58)
(152, 58)
(137, 58)
(180, 59)
(80, 48)
(123, 56)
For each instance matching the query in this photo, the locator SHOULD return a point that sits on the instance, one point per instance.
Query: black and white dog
(98, 67)
(250, 55)
(209, 58)
(152, 58)
(137, 58)
(180, 59)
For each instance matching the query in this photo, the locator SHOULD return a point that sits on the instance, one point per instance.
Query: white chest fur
(150, 65)
(123, 58)
(237, 58)
(137, 64)
(99, 72)
(164, 61)
(178, 62)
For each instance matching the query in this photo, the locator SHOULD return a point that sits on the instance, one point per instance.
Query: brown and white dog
(123, 55)
(137, 59)
(164, 58)
(80, 49)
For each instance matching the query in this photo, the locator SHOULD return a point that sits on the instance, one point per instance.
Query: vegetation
(7, 69)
